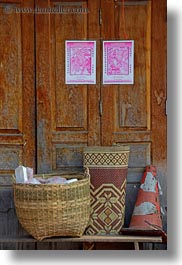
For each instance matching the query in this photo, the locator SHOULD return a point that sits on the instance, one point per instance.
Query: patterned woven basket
(55, 209)
(108, 168)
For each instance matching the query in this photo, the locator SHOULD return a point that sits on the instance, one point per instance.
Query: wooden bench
(88, 241)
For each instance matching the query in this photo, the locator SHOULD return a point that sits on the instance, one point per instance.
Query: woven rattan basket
(54, 210)
(108, 166)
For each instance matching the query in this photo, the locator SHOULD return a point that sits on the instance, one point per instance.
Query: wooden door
(17, 105)
(135, 114)
(17, 88)
(67, 115)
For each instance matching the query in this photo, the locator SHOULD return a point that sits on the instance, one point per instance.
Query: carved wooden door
(70, 117)
(17, 96)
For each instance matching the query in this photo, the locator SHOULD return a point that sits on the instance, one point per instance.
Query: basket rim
(107, 149)
(56, 174)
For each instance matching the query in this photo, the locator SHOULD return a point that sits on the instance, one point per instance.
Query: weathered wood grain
(67, 115)
(159, 96)
(94, 238)
(94, 96)
(108, 92)
(28, 96)
(17, 88)
(43, 89)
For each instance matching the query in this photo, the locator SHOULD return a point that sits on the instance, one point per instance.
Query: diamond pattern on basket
(106, 159)
(108, 208)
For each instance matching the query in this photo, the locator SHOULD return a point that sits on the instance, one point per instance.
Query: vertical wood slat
(159, 66)
(107, 91)
(158, 84)
(28, 60)
(148, 66)
(43, 87)
(94, 90)
(159, 90)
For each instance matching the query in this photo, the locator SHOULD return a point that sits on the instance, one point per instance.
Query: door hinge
(100, 16)
(100, 107)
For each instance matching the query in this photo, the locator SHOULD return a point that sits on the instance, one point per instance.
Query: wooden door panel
(17, 105)
(127, 106)
(134, 100)
(70, 101)
(71, 119)
(135, 114)
(68, 156)
(133, 103)
(130, 109)
(17, 97)
(159, 96)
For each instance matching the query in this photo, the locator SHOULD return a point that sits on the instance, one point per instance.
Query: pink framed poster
(118, 62)
(80, 62)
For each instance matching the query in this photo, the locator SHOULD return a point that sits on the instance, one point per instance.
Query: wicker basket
(54, 210)
(108, 168)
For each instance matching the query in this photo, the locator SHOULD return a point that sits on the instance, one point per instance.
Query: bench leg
(136, 246)
(88, 246)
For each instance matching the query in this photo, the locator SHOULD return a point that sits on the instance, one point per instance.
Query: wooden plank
(159, 24)
(108, 92)
(94, 90)
(148, 66)
(159, 96)
(43, 89)
(85, 238)
(28, 77)
(159, 79)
